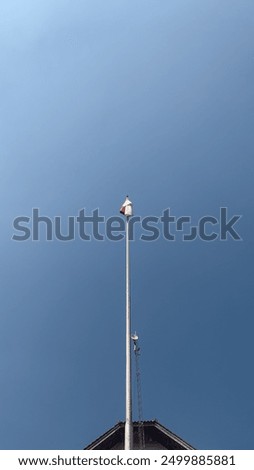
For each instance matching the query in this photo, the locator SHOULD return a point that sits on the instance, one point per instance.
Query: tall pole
(128, 422)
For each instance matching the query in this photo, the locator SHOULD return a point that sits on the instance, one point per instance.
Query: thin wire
(141, 433)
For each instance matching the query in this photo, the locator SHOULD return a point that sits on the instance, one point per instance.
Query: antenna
(128, 438)
(141, 433)
(126, 209)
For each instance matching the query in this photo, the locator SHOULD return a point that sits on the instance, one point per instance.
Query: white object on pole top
(127, 207)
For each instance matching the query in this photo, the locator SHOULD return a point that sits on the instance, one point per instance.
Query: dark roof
(156, 437)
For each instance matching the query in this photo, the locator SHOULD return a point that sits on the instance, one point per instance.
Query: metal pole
(128, 422)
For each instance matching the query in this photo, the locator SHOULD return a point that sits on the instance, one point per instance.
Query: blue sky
(100, 99)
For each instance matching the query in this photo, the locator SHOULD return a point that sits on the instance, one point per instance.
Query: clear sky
(100, 99)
